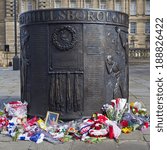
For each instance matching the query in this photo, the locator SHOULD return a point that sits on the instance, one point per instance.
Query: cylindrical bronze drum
(73, 60)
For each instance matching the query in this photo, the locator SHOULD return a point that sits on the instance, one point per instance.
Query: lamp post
(16, 64)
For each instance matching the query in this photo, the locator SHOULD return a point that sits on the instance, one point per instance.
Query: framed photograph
(51, 118)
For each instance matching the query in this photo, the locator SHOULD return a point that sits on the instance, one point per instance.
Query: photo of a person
(51, 118)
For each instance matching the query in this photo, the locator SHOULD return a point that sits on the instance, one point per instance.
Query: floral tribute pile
(115, 118)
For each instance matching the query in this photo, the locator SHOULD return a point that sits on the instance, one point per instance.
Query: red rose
(124, 123)
(146, 124)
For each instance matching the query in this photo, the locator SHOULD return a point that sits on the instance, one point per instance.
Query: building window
(133, 27)
(22, 6)
(147, 7)
(11, 9)
(88, 3)
(133, 7)
(73, 3)
(103, 4)
(57, 4)
(132, 41)
(147, 41)
(147, 27)
(118, 6)
(29, 5)
(132, 44)
(42, 4)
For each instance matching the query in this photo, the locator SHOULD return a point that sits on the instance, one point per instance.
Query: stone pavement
(139, 90)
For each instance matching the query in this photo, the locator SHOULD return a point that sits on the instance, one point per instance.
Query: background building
(138, 10)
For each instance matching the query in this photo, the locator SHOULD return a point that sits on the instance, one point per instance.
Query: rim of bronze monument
(69, 15)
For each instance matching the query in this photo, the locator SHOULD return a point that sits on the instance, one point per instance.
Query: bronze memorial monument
(73, 60)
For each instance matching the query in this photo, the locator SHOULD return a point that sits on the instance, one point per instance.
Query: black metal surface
(73, 60)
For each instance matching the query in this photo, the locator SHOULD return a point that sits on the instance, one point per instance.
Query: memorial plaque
(73, 60)
(94, 66)
(65, 47)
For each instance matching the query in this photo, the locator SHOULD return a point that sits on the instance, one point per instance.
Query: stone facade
(138, 10)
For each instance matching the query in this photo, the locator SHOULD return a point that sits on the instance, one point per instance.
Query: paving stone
(5, 138)
(146, 137)
(49, 146)
(105, 145)
(133, 145)
(136, 135)
(20, 145)
(79, 145)
(146, 131)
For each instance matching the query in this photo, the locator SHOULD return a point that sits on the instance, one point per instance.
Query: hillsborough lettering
(78, 15)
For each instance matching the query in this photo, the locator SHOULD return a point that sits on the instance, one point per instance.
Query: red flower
(102, 118)
(117, 101)
(136, 110)
(111, 132)
(146, 124)
(112, 104)
(98, 126)
(124, 123)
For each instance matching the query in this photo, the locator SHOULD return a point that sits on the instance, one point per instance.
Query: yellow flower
(127, 129)
(131, 104)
